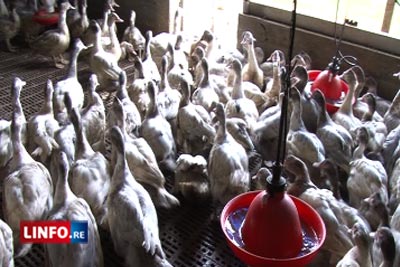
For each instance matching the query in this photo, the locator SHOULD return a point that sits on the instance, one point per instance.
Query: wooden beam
(271, 35)
(387, 18)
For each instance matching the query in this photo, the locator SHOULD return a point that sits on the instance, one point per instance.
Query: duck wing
(105, 64)
(127, 222)
(143, 163)
(336, 147)
(80, 254)
(6, 242)
(47, 40)
(306, 146)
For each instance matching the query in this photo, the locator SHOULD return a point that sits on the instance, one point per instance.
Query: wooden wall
(271, 35)
(155, 15)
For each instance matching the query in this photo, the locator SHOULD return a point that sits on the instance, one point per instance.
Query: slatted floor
(189, 236)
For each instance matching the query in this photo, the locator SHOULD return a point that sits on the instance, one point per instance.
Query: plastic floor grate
(190, 238)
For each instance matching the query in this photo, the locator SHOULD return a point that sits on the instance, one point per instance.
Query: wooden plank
(271, 35)
(150, 14)
(387, 18)
(381, 42)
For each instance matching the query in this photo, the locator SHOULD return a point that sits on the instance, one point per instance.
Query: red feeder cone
(272, 225)
(330, 85)
(44, 18)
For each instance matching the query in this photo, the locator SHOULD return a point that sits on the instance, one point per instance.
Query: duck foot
(64, 61)
(59, 65)
(58, 62)
(10, 47)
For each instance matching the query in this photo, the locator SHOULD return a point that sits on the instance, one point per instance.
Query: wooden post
(387, 18)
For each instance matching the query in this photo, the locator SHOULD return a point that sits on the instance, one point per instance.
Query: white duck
(90, 173)
(395, 220)
(103, 63)
(133, 35)
(94, 117)
(266, 132)
(132, 216)
(68, 207)
(241, 132)
(168, 98)
(150, 68)
(156, 130)
(337, 141)
(28, 188)
(6, 245)
(42, 127)
(55, 42)
(142, 163)
(179, 53)
(251, 71)
(300, 142)
(277, 56)
(216, 75)
(227, 165)
(103, 22)
(79, 25)
(273, 88)
(49, 5)
(392, 115)
(137, 91)
(70, 84)
(114, 47)
(377, 129)
(206, 42)
(191, 178)
(240, 106)
(178, 69)
(359, 107)
(366, 176)
(377, 212)
(73, 14)
(359, 255)
(133, 117)
(394, 187)
(9, 28)
(384, 239)
(259, 180)
(195, 134)
(382, 105)
(270, 96)
(344, 116)
(5, 142)
(337, 241)
(3, 9)
(160, 41)
(205, 94)
(330, 175)
(391, 149)
(310, 109)
(65, 136)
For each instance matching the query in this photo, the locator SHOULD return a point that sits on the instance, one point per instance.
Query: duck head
(94, 27)
(247, 38)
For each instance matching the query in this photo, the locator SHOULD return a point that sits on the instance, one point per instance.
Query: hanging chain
(281, 153)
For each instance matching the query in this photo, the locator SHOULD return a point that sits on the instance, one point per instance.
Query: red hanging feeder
(333, 88)
(44, 18)
(308, 216)
(269, 227)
